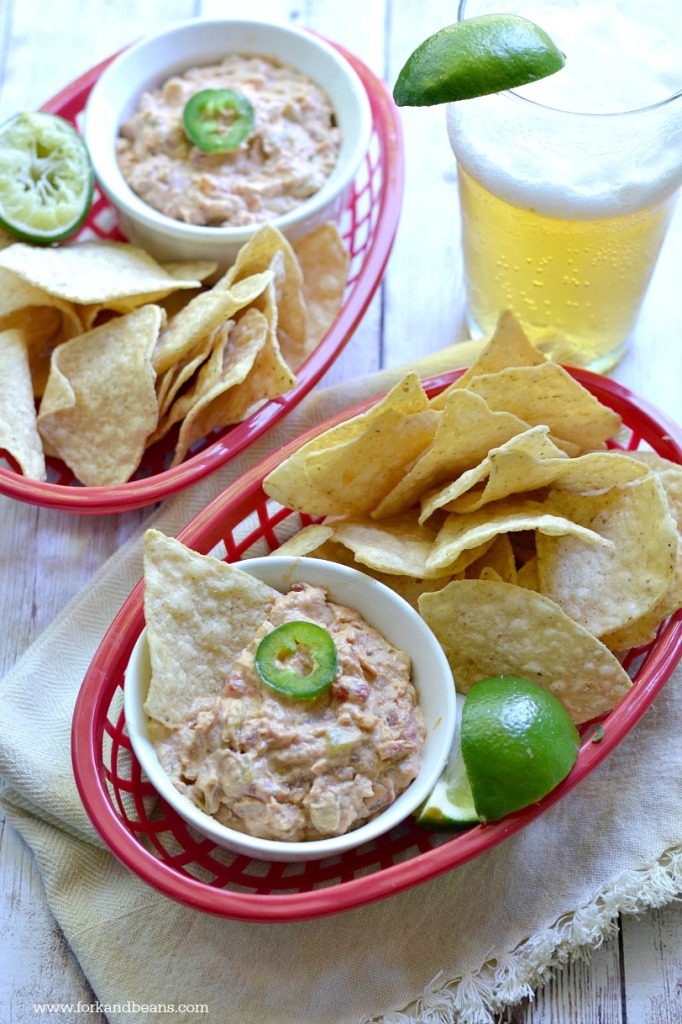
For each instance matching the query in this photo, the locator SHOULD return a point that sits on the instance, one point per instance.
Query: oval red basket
(368, 225)
(151, 840)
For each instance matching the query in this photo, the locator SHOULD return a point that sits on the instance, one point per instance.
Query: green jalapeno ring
(204, 113)
(275, 648)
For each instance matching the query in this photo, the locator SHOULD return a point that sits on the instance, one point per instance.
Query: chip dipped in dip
(289, 153)
(289, 769)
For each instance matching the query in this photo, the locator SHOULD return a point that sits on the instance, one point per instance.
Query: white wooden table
(637, 977)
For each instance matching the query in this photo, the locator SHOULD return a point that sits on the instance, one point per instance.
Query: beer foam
(563, 197)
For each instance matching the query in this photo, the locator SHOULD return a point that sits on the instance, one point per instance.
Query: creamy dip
(290, 153)
(287, 769)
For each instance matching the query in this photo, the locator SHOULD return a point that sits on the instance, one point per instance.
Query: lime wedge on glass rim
(450, 805)
(475, 57)
(46, 178)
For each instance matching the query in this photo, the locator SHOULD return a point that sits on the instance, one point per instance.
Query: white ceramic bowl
(200, 42)
(401, 625)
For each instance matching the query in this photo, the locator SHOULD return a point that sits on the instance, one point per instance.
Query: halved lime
(450, 806)
(475, 57)
(518, 743)
(46, 178)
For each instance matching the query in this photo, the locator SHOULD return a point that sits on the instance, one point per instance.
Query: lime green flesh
(518, 744)
(46, 178)
(476, 57)
(450, 806)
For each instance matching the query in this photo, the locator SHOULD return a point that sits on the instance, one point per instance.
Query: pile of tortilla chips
(497, 509)
(116, 350)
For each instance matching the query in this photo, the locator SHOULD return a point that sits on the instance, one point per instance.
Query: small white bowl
(401, 625)
(200, 42)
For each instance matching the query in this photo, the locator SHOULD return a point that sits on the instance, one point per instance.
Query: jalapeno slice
(217, 120)
(317, 653)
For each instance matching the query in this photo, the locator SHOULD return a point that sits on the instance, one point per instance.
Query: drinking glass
(567, 185)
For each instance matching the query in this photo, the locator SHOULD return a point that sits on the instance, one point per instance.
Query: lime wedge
(450, 807)
(475, 57)
(46, 178)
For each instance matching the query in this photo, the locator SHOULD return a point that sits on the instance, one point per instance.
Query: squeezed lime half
(46, 178)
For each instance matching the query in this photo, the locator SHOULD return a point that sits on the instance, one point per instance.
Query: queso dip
(290, 152)
(294, 770)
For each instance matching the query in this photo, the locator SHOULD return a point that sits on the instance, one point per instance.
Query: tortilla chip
(502, 472)
(252, 372)
(324, 262)
(670, 475)
(466, 432)
(350, 467)
(195, 375)
(527, 574)
(93, 271)
(643, 630)
(488, 573)
(399, 545)
(202, 315)
(268, 249)
(530, 462)
(317, 541)
(307, 541)
(271, 375)
(509, 345)
(190, 270)
(292, 320)
(100, 405)
(489, 629)
(354, 476)
(46, 321)
(211, 611)
(462, 531)
(547, 394)
(606, 588)
(193, 270)
(174, 379)
(18, 428)
(498, 559)
(597, 471)
(653, 460)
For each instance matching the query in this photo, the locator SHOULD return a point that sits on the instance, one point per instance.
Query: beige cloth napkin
(453, 950)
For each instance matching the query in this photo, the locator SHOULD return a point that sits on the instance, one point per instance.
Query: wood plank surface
(46, 556)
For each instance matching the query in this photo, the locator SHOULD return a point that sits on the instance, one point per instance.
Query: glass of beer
(567, 185)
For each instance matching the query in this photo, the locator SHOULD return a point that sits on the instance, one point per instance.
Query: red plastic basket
(151, 840)
(368, 225)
